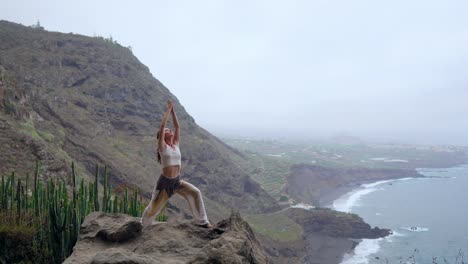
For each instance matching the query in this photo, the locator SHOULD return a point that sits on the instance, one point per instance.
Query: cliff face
(325, 237)
(309, 183)
(118, 238)
(66, 97)
(332, 223)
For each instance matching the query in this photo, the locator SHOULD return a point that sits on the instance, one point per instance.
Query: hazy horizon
(305, 69)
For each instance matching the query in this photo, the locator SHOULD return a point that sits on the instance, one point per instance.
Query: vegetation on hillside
(40, 221)
(331, 154)
(270, 161)
(275, 225)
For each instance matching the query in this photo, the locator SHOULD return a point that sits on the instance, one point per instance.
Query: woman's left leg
(158, 200)
(194, 198)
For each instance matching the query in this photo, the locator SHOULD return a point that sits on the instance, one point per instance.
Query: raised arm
(163, 126)
(176, 126)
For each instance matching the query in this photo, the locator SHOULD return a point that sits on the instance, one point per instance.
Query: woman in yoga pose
(169, 181)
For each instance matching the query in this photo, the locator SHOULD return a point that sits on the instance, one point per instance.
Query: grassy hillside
(270, 161)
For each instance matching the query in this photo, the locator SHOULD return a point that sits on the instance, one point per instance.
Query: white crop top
(170, 156)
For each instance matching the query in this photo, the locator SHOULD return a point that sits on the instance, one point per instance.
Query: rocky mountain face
(118, 238)
(67, 97)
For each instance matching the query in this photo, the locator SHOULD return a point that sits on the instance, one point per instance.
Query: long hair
(157, 148)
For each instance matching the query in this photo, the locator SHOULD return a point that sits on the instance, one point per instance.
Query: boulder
(118, 238)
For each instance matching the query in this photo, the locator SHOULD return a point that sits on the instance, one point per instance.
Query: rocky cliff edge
(119, 238)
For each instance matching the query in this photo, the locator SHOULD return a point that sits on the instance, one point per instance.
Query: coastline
(369, 246)
(328, 199)
(326, 186)
(366, 247)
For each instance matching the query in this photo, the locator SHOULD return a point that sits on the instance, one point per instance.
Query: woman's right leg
(158, 200)
(194, 198)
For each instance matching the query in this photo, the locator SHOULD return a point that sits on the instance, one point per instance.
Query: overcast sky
(389, 70)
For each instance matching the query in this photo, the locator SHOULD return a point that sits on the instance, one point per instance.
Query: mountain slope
(67, 97)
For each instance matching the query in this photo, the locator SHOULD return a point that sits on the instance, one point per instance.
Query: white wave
(405, 179)
(395, 233)
(378, 159)
(348, 201)
(388, 160)
(416, 229)
(366, 248)
(370, 185)
(362, 252)
(276, 155)
(303, 206)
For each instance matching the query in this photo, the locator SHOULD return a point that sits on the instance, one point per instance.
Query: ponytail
(157, 148)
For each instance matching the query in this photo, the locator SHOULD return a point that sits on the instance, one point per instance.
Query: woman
(169, 181)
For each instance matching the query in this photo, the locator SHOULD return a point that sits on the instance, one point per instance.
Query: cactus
(74, 186)
(26, 192)
(114, 209)
(96, 185)
(18, 202)
(3, 193)
(134, 201)
(58, 214)
(104, 198)
(12, 189)
(125, 202)
(36, 194)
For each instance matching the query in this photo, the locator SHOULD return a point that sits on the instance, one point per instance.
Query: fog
(393, 70)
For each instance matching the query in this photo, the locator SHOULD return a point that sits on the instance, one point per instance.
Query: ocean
(428, 217)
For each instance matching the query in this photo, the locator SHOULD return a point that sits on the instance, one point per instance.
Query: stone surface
(125, 241)
(110, 227)
(120, 256)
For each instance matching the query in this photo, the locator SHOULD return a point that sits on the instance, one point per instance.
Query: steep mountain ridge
(67, 97)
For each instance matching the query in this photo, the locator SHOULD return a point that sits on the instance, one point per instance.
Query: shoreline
(328, 196)
(329, 199)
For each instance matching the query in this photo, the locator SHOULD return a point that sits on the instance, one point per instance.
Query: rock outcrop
(327, 235)
(118, 238)
(333, 223)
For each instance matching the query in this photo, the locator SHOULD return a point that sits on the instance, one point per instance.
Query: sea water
(428, 217)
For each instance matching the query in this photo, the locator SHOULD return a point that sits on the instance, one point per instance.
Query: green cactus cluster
(55, 217)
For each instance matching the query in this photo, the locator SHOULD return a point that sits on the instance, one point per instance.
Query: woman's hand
(170, 106)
